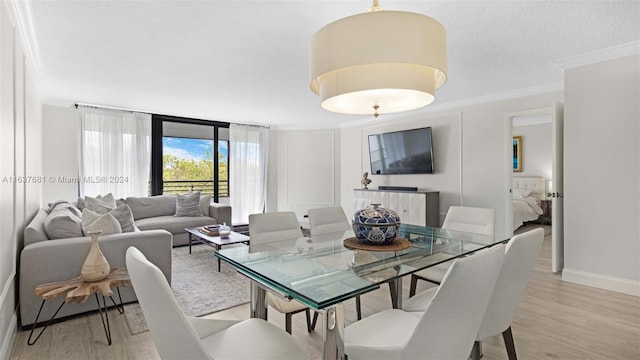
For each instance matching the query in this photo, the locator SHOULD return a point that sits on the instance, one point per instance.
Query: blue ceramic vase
(376, 225)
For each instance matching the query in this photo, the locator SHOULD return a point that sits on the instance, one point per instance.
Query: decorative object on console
(95, 267)
(365, 180)
(376, 225)
(358, 66)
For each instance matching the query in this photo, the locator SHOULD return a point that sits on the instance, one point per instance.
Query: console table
(420, 208)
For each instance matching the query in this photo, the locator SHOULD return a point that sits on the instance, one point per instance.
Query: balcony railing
(204, 186)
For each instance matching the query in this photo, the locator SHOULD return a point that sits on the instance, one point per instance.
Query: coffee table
(216, 242)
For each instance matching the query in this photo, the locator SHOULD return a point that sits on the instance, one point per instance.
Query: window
(185, 158)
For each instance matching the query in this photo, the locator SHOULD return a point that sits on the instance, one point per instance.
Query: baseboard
(10, 337)
(624, 286)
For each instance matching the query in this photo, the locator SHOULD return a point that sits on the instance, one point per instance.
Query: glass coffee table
(216, 242)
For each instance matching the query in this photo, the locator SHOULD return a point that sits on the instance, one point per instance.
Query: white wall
(20, 166)
(536, 150)
(60, 124)
(307, 170)
(602, 175)
(471, 148)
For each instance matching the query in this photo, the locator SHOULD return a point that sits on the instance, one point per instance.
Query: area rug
(198, 286)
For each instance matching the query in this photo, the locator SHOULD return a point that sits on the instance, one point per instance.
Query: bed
(527, 193)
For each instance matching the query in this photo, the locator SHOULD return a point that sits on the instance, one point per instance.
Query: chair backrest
(471, 219)
(327, 220)
(273, 226)
(448, 327)
(521, 254)
(172, 333)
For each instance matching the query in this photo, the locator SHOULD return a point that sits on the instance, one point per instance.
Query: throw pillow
(122, 213)
(63, 222)
(92, 221)
(520, 194)
(107, 200)
(188, 205)
(205, 201)
(80, 203)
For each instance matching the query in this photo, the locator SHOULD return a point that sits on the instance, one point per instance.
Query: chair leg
(287, 322)
(476, 352)
(314, 321)
(414, 284)
(392, 291)
(311, 324)
(508, 343)
(358, 308)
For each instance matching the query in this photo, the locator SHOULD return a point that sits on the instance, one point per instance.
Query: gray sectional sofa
(45, 260)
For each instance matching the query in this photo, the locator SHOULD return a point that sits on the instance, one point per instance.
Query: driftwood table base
(78, 291)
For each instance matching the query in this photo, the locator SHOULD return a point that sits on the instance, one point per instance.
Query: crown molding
(22, 17)
(597, 56)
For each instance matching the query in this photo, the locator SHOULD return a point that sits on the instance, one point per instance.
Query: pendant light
(378, 62)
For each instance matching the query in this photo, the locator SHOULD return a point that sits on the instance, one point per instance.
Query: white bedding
(525, 209)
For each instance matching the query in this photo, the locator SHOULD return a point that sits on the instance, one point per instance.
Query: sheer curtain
(115, 152)
(248, 155)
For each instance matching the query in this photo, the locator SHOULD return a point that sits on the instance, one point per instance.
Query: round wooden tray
(397, 244)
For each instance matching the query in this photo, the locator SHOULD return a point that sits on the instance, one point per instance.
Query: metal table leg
(395, 286)
(258, 302)
(333, 333)
(29, 341)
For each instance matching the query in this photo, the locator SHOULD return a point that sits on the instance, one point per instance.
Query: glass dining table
(320, 272)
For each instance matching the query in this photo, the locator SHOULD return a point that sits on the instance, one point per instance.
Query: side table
(78, 291)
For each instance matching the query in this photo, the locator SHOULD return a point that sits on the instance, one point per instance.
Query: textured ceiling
(247, 61)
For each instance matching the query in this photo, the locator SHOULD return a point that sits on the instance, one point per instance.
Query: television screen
(401, 152)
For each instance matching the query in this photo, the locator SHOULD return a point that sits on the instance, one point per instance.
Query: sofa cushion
(205, 202)
(107, 223)
(63, 222)
(172, 224)
(152, 206)
(107, 201)
(188, 205)
(34, 232)
(124, 216)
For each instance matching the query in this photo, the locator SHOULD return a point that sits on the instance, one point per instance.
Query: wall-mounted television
(401, 152)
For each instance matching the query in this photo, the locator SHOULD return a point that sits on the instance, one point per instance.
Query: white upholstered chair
(278, 226)
(328, 220)
(521, 254)
(177, 336)
(448, 327)
(459, 218)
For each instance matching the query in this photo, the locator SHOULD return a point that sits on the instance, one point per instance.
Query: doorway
(536, 137)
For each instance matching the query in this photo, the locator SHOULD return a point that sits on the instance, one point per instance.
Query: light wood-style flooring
(556, 320)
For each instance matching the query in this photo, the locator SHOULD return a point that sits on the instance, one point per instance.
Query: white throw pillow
(520, 194)
(205, 201)
(92, 221)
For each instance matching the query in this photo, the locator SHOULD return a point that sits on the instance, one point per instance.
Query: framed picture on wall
(517, 154)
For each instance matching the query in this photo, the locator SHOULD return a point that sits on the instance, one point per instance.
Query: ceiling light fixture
(378, 62)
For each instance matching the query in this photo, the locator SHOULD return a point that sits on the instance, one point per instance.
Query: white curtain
(248, 155)
(115, 152)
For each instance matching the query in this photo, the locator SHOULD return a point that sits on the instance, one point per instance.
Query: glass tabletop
(320, 271)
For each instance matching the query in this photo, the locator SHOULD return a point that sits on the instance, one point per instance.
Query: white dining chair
(458, 218)
(277, 226)
(448, 327)
(520, 258)
(177, 336)
(328, 220)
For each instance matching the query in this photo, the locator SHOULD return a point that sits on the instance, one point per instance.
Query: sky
(190, 149)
